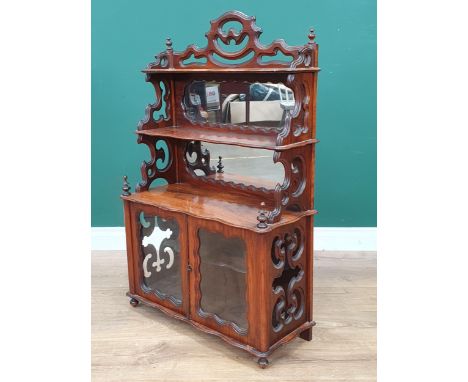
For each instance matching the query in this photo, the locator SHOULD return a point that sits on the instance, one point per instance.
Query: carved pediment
(250, 53)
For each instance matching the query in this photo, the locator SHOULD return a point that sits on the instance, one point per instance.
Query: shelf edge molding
(222, 136)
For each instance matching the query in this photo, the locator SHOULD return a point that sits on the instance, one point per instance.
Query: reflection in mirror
(239, 103)
(251, 167)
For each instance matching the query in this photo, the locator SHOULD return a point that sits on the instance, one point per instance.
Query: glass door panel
(223, 279)
(160, 257)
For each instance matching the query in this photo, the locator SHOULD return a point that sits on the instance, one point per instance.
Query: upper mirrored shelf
(258, 105)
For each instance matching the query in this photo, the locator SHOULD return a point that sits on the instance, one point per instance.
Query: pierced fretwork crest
(250, 53)
(287, 288)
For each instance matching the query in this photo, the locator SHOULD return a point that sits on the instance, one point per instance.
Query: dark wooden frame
(276, 224)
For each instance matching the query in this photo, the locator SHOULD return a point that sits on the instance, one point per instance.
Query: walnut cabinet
(229, 253)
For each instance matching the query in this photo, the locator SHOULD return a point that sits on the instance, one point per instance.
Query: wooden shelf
(231, 70)
(222, 136)
(249, 181)
(234, 209)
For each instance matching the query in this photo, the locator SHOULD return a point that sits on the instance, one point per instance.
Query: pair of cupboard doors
(252, 289)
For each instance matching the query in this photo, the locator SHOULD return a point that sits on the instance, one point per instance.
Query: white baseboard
(345, 238)
(326, 238)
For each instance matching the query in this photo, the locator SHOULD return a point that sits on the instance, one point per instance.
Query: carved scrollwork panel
(197, 159)
(287, 255)
(295, 192)
(158, 166)
(250, 52)
(157, 114)
(160, 260)
(297, 119)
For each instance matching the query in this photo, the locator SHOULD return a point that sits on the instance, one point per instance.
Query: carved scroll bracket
(159, 164)
(291, 194)
(197, 157)
(298, 116)
(161, 107)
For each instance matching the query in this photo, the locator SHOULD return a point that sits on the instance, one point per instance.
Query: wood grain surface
(231, 70)
(233, 209)
(142, 344)
(222, 136)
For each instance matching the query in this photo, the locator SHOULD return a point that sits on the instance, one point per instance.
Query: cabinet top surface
(232, 209)
(237, 49)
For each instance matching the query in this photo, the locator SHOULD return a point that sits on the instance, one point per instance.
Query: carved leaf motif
(155, 239)
(159, 247)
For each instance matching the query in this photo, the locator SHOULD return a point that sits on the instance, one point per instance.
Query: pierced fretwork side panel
(299, 122)
(296, 192)
(160, 166)
(197, 159)
(288, 279)
(160, 257)
(158, 114)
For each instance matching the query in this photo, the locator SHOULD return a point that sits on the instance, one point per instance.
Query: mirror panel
(241, 165)
(238, 103)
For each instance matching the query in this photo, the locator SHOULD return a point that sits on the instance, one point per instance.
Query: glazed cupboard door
(160, 257)
(223, 286)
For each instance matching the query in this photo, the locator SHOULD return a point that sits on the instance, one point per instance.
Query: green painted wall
(127, 33)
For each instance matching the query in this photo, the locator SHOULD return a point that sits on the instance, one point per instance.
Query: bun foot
(263, 362)
(306, 334)
(134, 302)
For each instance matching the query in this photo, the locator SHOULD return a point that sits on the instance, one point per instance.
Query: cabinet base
(262, 361)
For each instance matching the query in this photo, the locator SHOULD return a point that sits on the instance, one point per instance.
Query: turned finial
(126, 187)
(169, 44)
(262, 218)
(220, 165)
(311, 36)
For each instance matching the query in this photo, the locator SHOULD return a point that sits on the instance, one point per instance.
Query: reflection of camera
(202, 101)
